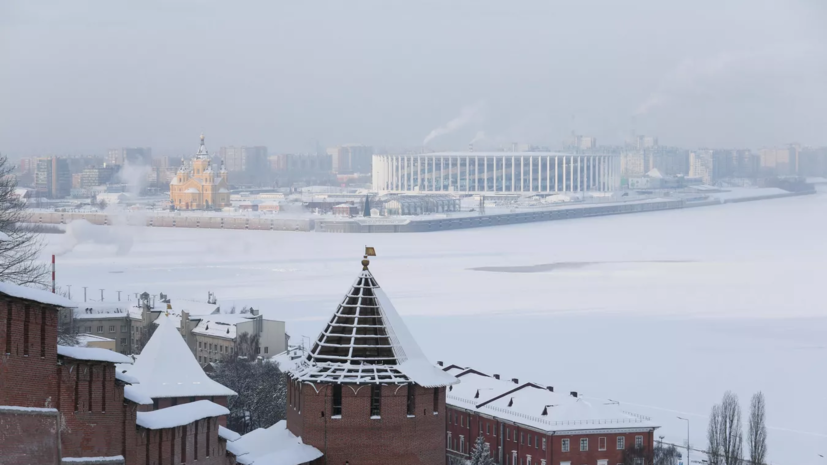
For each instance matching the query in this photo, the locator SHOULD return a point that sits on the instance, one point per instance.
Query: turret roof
(167, 367)
(366, 341)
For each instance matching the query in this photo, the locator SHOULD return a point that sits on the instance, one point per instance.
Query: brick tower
(365, 394)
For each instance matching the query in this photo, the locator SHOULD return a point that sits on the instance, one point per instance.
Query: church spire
(202, 149)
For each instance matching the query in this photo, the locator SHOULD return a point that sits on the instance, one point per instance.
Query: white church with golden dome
(197, 187)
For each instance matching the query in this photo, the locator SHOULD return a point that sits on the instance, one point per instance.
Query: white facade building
(496, 172)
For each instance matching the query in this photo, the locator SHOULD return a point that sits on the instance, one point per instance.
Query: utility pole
(119, 295)
(687, 438)
(101, 295)
(84, 293)
(70, 291)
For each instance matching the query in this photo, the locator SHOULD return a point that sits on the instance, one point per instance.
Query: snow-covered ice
(662, 311)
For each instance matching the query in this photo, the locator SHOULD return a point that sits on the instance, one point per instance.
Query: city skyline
(287, 77)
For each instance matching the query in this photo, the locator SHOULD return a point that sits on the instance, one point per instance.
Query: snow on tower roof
(35, 295)
(180, 415)
(167, 367)
(366, 341)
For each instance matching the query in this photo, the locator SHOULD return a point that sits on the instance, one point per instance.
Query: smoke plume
(82, 232)
(468, 115)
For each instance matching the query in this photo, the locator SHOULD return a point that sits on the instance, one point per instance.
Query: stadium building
(496, 172)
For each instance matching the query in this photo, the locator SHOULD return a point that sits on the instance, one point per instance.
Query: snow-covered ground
(662, 311)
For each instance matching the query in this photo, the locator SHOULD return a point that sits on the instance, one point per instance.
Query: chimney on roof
(550, 388)
(439, 363)
(496, 376)
(515, 380)
(574, 393)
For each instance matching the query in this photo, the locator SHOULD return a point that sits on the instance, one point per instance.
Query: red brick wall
(460, 422)
(90, 431)
(27, 381)
(27, 438)
(356, 438)
(165, 448)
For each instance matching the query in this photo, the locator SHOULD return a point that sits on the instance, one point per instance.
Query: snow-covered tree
(481, 453)
(19, 247)
(262, 393)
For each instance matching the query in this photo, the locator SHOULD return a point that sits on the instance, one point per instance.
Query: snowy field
(662, 311)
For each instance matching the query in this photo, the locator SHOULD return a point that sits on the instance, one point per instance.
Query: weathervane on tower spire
(369, 252)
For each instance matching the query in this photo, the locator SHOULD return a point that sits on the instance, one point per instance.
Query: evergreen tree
(481, 454)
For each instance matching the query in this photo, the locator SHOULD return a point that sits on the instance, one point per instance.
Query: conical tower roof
(167, 367)
(366, 341)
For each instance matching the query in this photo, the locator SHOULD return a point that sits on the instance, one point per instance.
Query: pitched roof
(366, 341)
(167, 367)
(35, 295)
(94, 354)
(538, 407)
(275, 445)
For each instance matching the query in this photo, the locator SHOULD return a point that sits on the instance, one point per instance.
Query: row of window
(99, 329)
(225, 349)
(294, 399)
(601, 443)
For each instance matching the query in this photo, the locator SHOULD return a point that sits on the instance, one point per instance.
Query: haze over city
(84, 76)
(467, 232)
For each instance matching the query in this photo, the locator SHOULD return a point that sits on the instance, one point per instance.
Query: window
(544, 445)
(266, 349)
(411, 399)
(584, 444)
(375, 400)
(199, 344)
(515, 435)
(174, 401)
(337, 399)
(43, 333)
(221, 349)
(88, 329)
(542, 461)
(565, 445)
(529, 440)
(462, 444)
(638, 442)
(111, 328)
(601, 443)
(461, 421)
(154, 404)
(621, 443)
(99, 329)
(514, 457)
(123, 341)
(536, 442)
(488, 428)
(449, 440)
(638, 461)
(123, 329)
(527, 460)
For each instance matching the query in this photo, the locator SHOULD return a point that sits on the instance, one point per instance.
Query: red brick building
(529, 424)
(365, 393)
(85, 404)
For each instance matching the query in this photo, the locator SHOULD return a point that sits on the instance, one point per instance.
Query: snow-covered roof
(221, 324)
(223, 190)
(227, 434)
(167, 367)
(366, 341)
(100, 310)
(121, 375)
(654, 173)
(194, 307)
(93, 354)
(84, 339)
(35, 295)
(179, 415)
(191, 190)
(538, 406)
(114, 459)
(275, 445)
(133, 394)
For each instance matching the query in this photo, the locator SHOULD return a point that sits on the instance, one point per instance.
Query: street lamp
(687, 438)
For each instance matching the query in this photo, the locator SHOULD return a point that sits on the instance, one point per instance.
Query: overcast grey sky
(82, 76)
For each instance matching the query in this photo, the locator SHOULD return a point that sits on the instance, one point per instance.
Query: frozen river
(662, 311)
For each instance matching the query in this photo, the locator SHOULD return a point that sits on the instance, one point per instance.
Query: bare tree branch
(19, 254)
